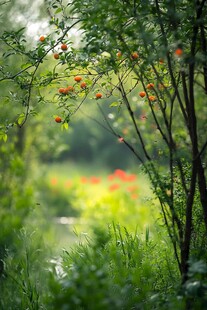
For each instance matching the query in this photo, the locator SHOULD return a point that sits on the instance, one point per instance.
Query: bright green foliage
(16, 196)
(114, 270)
(24, 283)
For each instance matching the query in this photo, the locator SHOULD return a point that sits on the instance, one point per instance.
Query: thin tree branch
(131, 113)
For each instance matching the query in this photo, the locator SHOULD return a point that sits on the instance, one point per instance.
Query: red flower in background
(132, 188)
(118, 174)
(95, 180)
(114, 187)
(130, 178)
(121, 174)
(83, 180)
(179, 52)
(111, 177)
(68, 184)
(134, 196)
(53, 181)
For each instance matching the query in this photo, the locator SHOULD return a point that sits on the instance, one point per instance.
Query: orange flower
(152, 98)
(64, 47)
(65, 92)
(99, 95)
(56, 56)
(42, 39)
(121, 174)
(114, 187)
(70, 88)
(179, 52)
(130, 178)
(119, 54)
(58, 119)
(111, 177)
(83, 85)
(61, 90)
(83, 180)
(53, 181)
(77, 78)
(68, 184)
(134, 56)
(95, 180)
(150, 86)
(134, 196)
(142, 94)
(132, 188)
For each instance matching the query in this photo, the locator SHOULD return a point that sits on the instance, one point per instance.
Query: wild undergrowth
(120, 255)
(111, 268)
(115, 269)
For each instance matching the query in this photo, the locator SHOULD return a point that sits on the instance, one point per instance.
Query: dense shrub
(114, 270)
(16, 196)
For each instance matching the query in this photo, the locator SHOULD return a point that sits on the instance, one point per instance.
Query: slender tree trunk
(185, 247)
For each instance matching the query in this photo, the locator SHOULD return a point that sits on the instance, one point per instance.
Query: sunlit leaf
(21, 118)
(64, 126)
(114, 104)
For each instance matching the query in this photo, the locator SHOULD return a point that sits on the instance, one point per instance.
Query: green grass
(115, 269)
(113, 254)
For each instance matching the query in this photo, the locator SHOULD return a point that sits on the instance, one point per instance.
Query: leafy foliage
(113, 270)
(15, 202)
(151, 53)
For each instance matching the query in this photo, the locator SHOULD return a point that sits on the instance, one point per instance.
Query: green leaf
(9, 53)
(58, 11)
(26, 65)
(114, 104)
(20, 30)
(64, 126)
(61, 25)
(5, 137)
(21, 118)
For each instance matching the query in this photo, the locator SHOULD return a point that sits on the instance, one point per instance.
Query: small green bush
(16, 196)
(24, 282)
(114, 270)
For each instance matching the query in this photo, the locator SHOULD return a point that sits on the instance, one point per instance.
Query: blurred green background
(47, 173)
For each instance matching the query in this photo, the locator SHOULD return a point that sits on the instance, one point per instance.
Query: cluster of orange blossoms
(151, 98)
(133, 56)
(70, 88)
